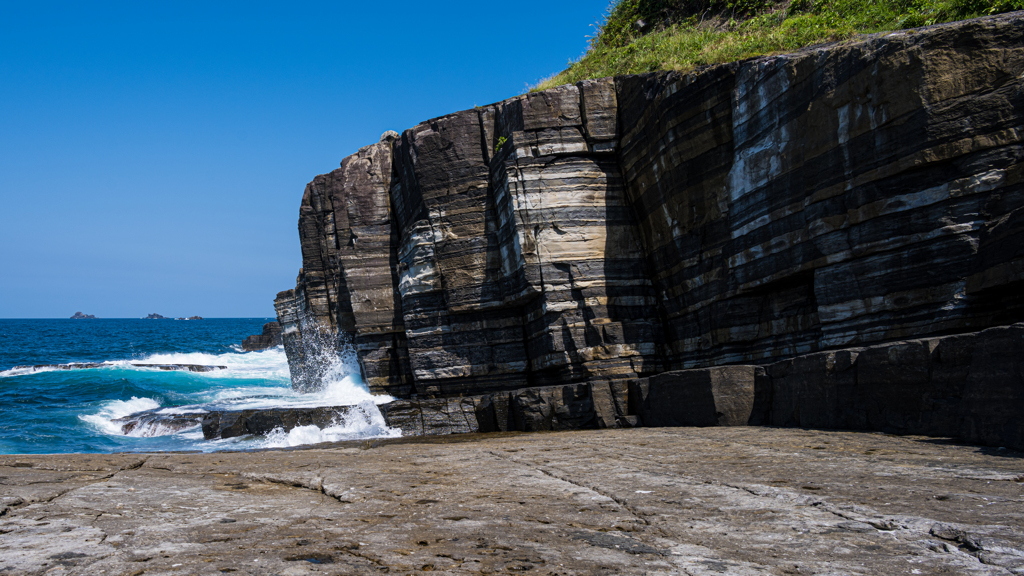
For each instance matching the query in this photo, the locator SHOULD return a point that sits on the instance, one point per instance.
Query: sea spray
(319, 355)
(365, 421)
(54, 411)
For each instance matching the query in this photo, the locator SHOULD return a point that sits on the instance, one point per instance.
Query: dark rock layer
(620, 229)
(230, 424)
(270, 337)
(969, 386)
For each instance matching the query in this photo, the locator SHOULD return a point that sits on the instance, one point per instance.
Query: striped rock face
(620, 228)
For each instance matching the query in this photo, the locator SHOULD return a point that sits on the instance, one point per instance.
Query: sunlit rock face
(746, 213)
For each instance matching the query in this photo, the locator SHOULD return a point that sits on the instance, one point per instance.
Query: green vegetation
(645, 35)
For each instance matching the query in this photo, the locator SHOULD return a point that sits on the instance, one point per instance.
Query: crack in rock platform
(727, 500)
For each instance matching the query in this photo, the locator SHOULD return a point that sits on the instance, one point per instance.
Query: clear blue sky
(153, 154)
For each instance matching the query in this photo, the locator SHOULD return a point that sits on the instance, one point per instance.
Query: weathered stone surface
(722, 396)
(435, 417)
(801, 208)
(270, 337)
(970, 386)
(834, 197)
(654, 501)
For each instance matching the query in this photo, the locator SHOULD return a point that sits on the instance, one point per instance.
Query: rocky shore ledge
(699, 501)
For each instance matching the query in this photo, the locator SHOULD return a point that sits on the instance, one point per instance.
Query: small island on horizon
(80, 316)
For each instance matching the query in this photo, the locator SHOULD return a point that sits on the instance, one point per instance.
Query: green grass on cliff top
(646, 35)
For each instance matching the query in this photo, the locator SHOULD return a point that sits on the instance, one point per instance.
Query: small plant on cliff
(501, 142)
(645, 35)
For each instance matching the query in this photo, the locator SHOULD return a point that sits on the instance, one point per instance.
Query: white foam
(365, 421)
(114, 409)
(271, 364)
(151, 429)
(24, 371)
(261, 381)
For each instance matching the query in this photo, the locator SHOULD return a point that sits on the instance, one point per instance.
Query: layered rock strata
(969, 386)
(745, 213)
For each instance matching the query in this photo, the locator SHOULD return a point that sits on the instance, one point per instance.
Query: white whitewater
(251, 380)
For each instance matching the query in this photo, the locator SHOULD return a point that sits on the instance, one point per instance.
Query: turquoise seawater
(61, 411)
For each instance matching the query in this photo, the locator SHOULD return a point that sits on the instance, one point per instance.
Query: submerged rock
(88, 365)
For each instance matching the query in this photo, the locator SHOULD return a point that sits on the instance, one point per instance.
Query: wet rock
(158, 423)
(270, 337)
(257, 422)
(88, 365)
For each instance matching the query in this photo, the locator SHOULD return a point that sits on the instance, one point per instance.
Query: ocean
(49, 411)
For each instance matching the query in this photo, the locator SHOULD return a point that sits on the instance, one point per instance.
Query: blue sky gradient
(153, 155)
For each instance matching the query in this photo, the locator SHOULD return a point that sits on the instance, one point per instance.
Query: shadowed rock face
(610, 231)
(969, 386)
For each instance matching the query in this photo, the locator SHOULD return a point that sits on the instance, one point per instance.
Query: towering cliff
(841, 196)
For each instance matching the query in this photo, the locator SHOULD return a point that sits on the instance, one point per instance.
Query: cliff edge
(835, 198)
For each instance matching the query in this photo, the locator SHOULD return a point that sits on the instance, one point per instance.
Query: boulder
(233, 423)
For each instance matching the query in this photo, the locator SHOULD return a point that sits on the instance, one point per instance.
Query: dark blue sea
(47, 411)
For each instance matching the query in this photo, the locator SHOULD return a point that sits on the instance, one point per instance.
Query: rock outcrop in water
(270, 337)
(88, 365)
(80, 316)
(760, 213)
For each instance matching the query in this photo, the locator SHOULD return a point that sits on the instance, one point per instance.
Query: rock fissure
(563, 476)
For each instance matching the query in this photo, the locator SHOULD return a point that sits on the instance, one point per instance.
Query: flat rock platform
(642, 501)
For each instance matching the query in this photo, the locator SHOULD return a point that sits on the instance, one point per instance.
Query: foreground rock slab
(731, 500)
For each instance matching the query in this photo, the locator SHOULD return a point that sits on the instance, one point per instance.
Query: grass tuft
(646, 35)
